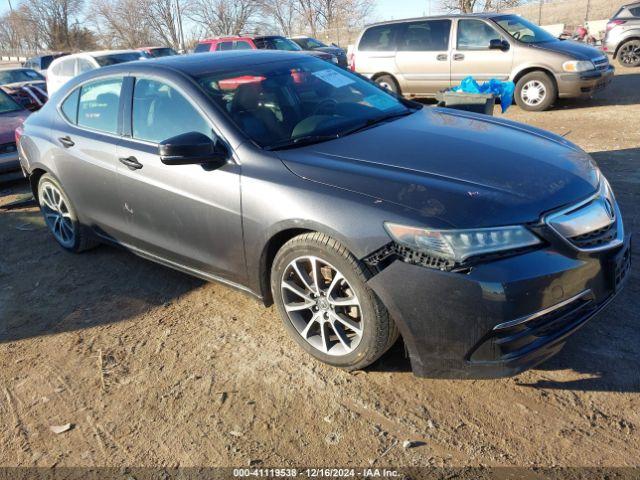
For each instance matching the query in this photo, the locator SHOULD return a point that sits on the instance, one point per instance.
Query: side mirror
(193, 148)
(498, 44)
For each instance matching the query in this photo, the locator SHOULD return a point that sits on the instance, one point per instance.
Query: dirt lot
(155, 368)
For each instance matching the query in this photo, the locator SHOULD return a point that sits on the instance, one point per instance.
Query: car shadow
(603, 355)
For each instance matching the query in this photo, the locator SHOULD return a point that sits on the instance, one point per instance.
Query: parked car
(25, 86)
(419, 57)
(314, 45)
(268, 42)
(622, 37)
(41, 63)
(156, 52)
(12, 114)
(63, 69)
(484, 242)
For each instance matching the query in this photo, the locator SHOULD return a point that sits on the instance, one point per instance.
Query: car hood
(330, 50)
(573, 49)
(456, 169)
(8, 124)
(316, 53)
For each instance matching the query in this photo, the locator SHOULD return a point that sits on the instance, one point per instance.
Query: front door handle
(458, 56)
(66, 142)
(131, 162)
(442, 57)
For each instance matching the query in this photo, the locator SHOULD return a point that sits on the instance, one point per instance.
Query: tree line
(71, 25)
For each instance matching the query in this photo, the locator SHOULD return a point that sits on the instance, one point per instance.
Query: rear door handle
(66, 142)
(131, 162)
(442, 57)
(458, 56)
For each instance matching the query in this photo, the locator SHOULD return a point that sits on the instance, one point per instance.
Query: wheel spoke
(336, 278)
(305, 332)
(297, 306)
(344, 302)
(342, 336)
(348, 322)
(324, 338)
(297, 290)
(304, 277)
(48, 201)
(314, 275)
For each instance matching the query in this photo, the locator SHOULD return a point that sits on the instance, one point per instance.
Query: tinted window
(98, 105)
(635, 11)
(70, 106)
(379, 39)
(162, 52)
(475, 35)
(225, 46)
(277, 43)
(160, 112)
(281, 102)
(46, 61)
(242, 45)
(428, 36)
(116, 58)
(202, 47)
(20, 75)
(7, 104)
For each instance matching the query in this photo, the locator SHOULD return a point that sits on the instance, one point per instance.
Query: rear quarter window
(202, 47)
(381, 38)
(69, 107)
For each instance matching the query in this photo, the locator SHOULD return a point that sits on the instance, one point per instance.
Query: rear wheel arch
(635, 37)
(34, 180)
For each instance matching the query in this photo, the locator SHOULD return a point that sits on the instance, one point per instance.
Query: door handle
(131, 162)
(458, 56)
(66, 142)
(442, 57)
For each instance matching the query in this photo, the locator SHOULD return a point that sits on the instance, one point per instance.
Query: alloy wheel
(533, 93)
(630, 53)
(57, 215)
(322, 306)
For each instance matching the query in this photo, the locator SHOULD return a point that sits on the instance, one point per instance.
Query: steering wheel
(328, 103)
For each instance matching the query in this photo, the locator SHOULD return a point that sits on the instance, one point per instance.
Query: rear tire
(536, 92)
(629, 53)
(389, 83)
(61, 218)
(362, 333)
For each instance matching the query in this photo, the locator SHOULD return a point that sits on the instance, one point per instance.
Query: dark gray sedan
(484, 243)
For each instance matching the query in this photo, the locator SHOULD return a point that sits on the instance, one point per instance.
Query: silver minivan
(419, 57)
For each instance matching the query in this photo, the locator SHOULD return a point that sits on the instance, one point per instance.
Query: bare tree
(283, 15)
(470, 6)
(224, 17)
(52, 20)
(163, 20)
(121, 23)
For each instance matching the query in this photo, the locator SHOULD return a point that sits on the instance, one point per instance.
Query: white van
(65, 68)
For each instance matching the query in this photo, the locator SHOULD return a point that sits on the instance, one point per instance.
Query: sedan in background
(25, 86)
(63, 69)
(12, 115)
(313, 45)
(483, 242)
(41, 63)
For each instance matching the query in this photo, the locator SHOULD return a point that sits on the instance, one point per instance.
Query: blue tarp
(504, 90)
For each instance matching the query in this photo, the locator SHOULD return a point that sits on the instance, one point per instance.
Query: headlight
(458, 245)
(576, 66)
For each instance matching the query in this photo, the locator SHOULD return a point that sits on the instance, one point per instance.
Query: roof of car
(443, 17)
(227, 37)
(205, 63)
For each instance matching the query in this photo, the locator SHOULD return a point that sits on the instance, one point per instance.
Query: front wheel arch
(391, 76)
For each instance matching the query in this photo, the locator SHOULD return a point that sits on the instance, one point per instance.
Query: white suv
(65, 68)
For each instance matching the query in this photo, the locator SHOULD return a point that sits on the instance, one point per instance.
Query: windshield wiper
(375, 121)
(301, 141)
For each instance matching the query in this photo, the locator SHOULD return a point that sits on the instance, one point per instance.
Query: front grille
(6, 148)
(511, 342)
(601, 63)
(596, 238)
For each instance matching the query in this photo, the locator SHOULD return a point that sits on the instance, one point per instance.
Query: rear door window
(224, 46)
(160, 112)
(242, 45)
(381, 38)
(475, 35)
(99, 105)
(426, 36)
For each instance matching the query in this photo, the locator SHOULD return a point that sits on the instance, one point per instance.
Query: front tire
(61, 218)
(320, 291)
(629, 53)
(536, 92)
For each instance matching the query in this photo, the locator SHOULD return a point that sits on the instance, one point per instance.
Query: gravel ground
(152, 367)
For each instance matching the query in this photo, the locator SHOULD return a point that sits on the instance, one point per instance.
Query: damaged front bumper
(498, 318)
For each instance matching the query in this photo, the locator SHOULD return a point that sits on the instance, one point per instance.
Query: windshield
(523, 30)
(277, 43)
(309, 43)
(116, 58)
(161, 52)
(285, 103)
(7, 104)
(18, 76)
